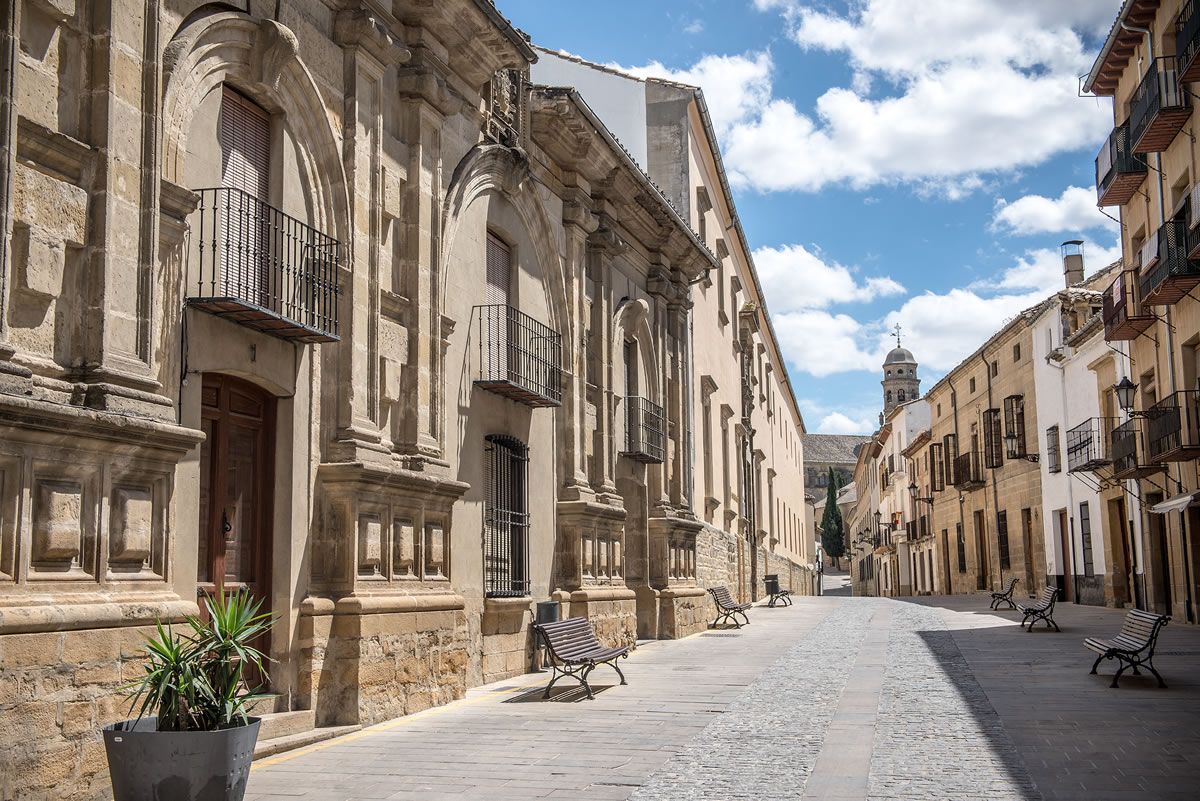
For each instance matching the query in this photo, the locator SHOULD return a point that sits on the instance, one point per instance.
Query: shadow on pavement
(1075, 736)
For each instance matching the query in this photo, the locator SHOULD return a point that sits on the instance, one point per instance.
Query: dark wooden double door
(236, 479)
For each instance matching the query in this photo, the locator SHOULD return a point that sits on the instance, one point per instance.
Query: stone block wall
(507, 640)
(57, 690)
(366, 668)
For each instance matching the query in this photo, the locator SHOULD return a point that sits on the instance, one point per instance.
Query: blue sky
(892, 161)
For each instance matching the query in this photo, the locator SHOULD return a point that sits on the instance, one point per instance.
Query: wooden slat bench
(781, 598)
(727, 608)
(574, 651)
(1006, 596)
(1041, 609)
(1133, 647)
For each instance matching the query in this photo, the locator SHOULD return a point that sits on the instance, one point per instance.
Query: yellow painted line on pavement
(389, 725)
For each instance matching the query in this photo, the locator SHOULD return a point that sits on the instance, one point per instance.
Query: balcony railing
(1088, 444)
(1159, 107)
(1187, 43)
(1124, 315)
(264, 269)
(1173, 428)
(968, 470)
(1119, 171)
(1167, 274)
(1129, 451)
(519, 357)
(645, 430)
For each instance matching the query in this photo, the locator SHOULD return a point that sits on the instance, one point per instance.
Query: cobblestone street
(834, 698)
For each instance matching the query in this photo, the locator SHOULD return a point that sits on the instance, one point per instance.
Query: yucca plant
(201, 681)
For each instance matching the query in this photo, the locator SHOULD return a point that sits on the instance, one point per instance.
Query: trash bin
(546, 612)
(771, 582)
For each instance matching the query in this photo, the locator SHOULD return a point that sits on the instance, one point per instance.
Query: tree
(832, 539)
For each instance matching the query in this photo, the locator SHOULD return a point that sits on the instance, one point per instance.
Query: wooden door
(236, 480)
(982, 558)
(1068, 571)
(1027, 549)
(1123, 590)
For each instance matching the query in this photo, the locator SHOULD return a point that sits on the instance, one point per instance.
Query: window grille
(993, 440)
(962, 548)
(950, 446)
(1002, 539)
(1085, 534)
(1014, 420)
(937, 468)
(506, 518)
(1053, 452)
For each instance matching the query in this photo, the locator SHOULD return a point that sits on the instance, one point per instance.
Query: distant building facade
(823, 452)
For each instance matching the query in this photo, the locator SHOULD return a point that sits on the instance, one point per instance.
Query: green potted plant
(193, 737)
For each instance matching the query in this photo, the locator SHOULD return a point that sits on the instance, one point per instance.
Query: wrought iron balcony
(1167, 274)
(264, 269)
(519, 357)
(1159, 107)
(1128, 451)
(1119, 171)
(1124, 315)
(1088, 444)
(645, 430)
(1173, 428)
(968, 470)
(1187, 43)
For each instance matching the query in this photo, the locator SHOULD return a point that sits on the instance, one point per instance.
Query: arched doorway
(237, 459)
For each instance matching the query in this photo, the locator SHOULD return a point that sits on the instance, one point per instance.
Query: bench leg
(583, 679)
(1096, 664)
(1150, 667)
(558, 674)
(613, 664)
(1050, 622)
(743, 614)
(1117, 676)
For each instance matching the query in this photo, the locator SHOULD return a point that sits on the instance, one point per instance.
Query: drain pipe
(1162, 218)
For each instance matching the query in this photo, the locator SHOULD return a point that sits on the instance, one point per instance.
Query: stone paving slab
(834, 698)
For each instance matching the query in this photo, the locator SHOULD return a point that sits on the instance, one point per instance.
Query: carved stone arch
(263, 58)
(493, 168)
(631, 320)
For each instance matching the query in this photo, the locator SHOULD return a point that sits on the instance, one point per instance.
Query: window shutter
(245, 138)
(499, 266)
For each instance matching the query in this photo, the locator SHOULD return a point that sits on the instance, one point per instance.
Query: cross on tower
(897, 335)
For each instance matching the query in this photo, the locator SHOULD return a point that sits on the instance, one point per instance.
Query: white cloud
(838, 423)
(735, 87)
(1072, 212)
(943, 94)
(796, 278)
(694, 27)
(822, 344)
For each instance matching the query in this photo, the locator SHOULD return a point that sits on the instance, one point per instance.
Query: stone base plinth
(612, 611)
(366, 659)
(507, 648)
(682, 611)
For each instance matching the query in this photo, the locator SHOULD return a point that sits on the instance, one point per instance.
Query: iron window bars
(506, 518)
(1173, 427)
(1053, 454)
(519, 357)
(968, 470)
(645, 438)
(265, 269)
(1158, 107)
(993, 439)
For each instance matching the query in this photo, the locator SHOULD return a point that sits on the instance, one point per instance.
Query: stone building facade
(1146, 173)
(825, 452)
(338, 306)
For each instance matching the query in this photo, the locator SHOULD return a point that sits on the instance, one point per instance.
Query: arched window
(889, 396)
(901, 396)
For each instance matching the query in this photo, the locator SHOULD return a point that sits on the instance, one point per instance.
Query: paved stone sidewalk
(833, 698)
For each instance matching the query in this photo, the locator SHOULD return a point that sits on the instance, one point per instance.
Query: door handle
(226, 527)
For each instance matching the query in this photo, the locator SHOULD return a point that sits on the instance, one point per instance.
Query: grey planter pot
(149, 765)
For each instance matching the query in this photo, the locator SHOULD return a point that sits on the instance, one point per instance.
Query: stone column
(9, 26)
(578, 224)
(603, 244)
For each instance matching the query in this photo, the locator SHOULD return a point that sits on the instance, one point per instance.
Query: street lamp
(1010, 445)
(912, 490)
(1126, 391)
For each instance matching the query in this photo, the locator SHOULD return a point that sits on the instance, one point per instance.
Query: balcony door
(983, 578)
(244, 134)
(236, 476)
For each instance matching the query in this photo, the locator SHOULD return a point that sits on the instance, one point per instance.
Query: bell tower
(900, 382)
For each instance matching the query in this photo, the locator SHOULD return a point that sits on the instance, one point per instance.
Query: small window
(972, 384)
(993, 439)
(900, 396)
(995, 369)
(1053, 454)
(939, 410)
(1017, 352)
